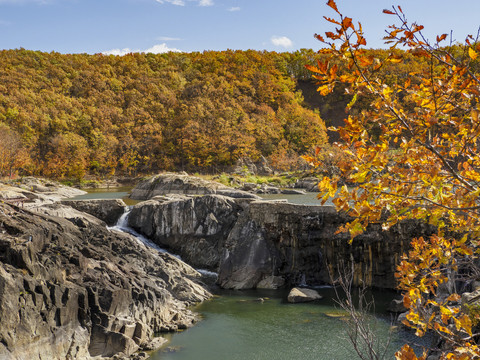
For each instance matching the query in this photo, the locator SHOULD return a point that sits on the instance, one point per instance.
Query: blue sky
(118, 26)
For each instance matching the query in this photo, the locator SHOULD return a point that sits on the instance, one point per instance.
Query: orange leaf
(347, 22)
(407, 353)
(332, 4)
(385, 11)
(331, 20)
(318, 37)
(442, 37)
(365, 61)
(331, 35)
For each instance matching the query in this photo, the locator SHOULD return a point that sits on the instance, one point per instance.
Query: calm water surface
(110, 193)
(237, 327)
(309, 198)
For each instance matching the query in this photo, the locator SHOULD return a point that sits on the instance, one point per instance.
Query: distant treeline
(68, 115)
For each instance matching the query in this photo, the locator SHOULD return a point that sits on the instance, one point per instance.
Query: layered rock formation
(265, 243)
(72, 289)
(194, 227)
(107, 210)
(172, 183)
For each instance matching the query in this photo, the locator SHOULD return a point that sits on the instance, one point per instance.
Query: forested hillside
(67, 115)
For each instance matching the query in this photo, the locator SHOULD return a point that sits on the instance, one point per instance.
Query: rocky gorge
(254, 243)
(70, 288)
(73, 288)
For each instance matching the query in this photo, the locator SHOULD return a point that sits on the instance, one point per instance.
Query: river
(236, 326)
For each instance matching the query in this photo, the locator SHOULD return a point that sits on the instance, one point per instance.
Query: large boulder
(300, 295)
(309, 183)
(75, 290)
(172, 183)
(108, 210)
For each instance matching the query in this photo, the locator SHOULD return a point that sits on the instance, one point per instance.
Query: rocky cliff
(267, 244)
(72, 289)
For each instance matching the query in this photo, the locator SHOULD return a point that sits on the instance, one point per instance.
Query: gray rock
(108, 210)
(183, 184)
(292, 192)
(193, 227)
(67, 212)
(248, 186)
(34, 192)
(470, 297)
(266, 189)
(271, 282)
(248, 241)
(396, 306)
(237, 194)
(300, 295)
(73, 291)
(310, 184)
(171, 183)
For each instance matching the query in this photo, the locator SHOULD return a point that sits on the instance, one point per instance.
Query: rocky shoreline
(72, 289)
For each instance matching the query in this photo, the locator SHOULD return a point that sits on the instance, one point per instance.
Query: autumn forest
(64, 116)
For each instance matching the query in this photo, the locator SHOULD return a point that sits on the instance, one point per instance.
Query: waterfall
(122, 226)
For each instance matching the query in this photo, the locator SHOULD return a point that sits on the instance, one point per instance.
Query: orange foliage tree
(13, 155)
(414, 153)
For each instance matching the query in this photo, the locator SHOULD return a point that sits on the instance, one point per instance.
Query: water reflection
(236, 326)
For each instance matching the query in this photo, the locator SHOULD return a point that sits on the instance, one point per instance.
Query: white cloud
(235, 8)
(167, 38)
(282, 41)
(155, 49)
(173, 2)
(205, 3)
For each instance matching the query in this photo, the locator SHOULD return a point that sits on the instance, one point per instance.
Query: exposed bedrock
(266, 243)
(173, 183)
(108, 210)
(72, 289)
(196, 228)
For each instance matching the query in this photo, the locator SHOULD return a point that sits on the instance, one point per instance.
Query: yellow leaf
(472, 53)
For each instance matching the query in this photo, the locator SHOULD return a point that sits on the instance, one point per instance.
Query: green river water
(235, 326)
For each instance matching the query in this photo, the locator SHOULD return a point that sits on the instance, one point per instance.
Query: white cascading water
(122, 225)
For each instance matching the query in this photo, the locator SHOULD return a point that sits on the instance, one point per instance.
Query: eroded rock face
(108, 210)
(253, 242)
(74, 290)
(172, 183)
(300, 243)
(193, 227)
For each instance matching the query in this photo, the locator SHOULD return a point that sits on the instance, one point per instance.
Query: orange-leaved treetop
(414, 153)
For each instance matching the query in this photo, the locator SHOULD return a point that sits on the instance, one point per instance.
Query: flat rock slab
(299, 295)
(172, 183)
